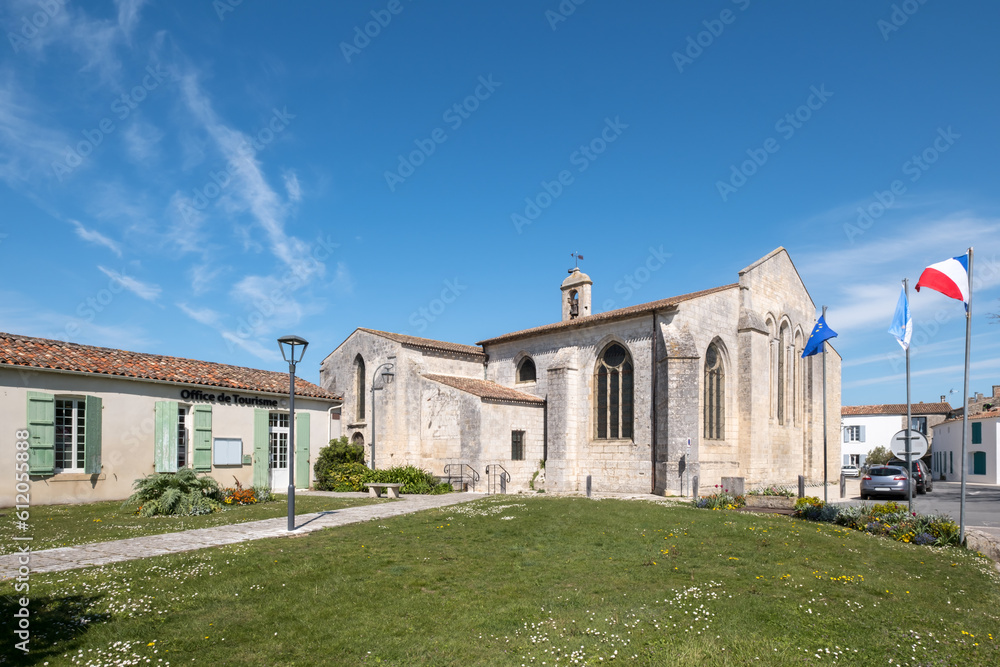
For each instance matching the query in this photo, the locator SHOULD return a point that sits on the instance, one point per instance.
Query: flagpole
(909, 456)
(824, 413)
(965, 404)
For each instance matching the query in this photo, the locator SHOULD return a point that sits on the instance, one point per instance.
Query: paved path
(102, 553)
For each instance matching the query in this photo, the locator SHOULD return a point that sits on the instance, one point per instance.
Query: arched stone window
(359, 388)
(613, 393)
(772, 364)
(715, 394)
(526, 370)
(782, 372)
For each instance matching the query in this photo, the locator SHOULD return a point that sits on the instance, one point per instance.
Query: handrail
(461, 476)
(492, 477)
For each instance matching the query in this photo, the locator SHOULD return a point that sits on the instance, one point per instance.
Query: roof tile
(485, 389)
(25, 351)
(896, 409)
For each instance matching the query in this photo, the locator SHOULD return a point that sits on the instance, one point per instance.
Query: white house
(982, 451)
(82, 423)
(865, 427)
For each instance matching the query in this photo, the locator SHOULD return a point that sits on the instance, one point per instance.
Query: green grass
(70, 525)
(518, 580)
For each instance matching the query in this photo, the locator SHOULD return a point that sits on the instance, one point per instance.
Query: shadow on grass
(50, 620)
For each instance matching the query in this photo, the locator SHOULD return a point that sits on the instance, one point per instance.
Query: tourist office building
(98, 419)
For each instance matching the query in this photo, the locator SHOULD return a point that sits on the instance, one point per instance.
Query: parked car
(850, 471)
(925, 481)
(885, 480)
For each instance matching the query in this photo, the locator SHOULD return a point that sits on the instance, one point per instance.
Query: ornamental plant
(721, 501)
(773, 490)
(180, 493)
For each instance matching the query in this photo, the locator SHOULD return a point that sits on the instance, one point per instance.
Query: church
(634, 400)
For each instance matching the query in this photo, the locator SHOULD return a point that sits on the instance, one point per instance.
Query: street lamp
(291, 342)
(387, 376)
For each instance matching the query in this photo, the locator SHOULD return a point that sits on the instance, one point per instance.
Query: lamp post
(291, 342)
(387, 376)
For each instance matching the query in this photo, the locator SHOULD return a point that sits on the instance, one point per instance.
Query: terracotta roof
(620, 313)
(29, 352)
(486, 389)
(428, 344)
(896, 409)
(979, 415)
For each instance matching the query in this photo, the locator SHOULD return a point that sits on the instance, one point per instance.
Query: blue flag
(820, 334)
(902, 323)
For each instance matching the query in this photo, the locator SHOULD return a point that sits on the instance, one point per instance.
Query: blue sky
(197, 178)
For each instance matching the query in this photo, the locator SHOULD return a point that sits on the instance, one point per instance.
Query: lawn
(525, 580)
(70, 525)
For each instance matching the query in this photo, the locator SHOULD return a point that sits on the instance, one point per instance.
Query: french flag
(950, 277)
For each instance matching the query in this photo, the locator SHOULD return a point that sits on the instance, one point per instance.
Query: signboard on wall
(222, 398)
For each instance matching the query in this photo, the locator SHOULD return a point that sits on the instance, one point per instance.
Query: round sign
(918, 444)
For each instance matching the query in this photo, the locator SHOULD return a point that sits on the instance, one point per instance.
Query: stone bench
(375, 489)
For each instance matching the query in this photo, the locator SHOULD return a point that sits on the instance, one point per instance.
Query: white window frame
(77, 434)
(274, 441)
(853, 433)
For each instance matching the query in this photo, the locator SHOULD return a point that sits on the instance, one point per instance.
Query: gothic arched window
(359, 387)
(782, 372)
(715, 394)
(613, 390)
(526, 370)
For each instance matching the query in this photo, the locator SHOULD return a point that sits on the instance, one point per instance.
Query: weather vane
(576, 257)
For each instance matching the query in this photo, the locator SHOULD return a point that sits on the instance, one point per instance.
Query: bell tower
(576, 295)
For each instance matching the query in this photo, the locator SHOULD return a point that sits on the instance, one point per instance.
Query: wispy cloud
(205, 316)
(140, 289)
(252, 346)
(94, 236)
(27, 148)
(142, 141)
(292, 186)
(250, 187)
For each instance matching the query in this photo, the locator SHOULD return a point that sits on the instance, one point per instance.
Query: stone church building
(639, 399)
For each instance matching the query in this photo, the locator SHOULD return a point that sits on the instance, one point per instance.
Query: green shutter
(42, 433)
(260, 448)
(202, 438)
(165, 436)
(977, 433)
(92, 436)
(302, 450)
(978, 463)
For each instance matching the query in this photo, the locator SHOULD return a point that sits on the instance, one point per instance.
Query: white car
(850, 471)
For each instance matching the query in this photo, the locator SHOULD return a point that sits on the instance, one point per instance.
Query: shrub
(339, 452)
(815, 509)
(413, 480)
(180, 493)
(343, 477)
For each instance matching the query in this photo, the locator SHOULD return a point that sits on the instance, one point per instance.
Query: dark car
(925, 481)
(885, 480)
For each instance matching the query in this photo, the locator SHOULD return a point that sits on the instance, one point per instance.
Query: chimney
(979, 396)
(943, 397)
(996, 391)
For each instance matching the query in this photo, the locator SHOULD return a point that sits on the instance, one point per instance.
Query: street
(982, 502)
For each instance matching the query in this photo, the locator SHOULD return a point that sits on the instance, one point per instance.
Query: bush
(413, 479)
(344, 477)
(352, 477)
(338, 453)
(815, 509)
(179, 494)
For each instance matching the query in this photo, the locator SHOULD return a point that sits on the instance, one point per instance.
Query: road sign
(918, 444)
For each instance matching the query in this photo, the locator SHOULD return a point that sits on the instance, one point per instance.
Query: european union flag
(820, 334)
